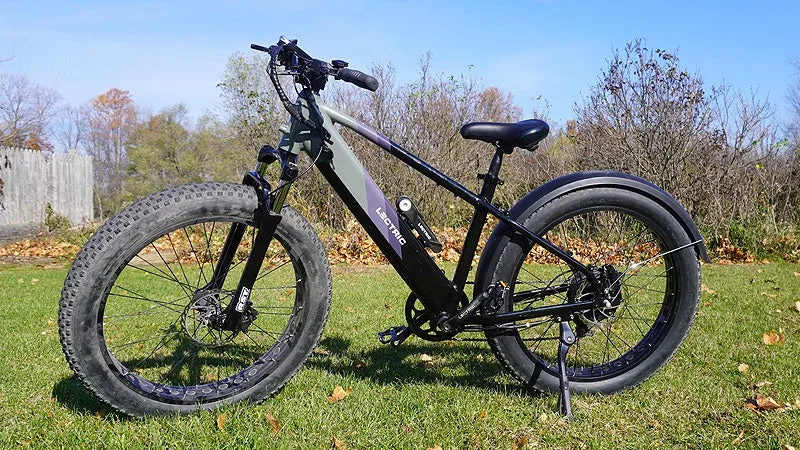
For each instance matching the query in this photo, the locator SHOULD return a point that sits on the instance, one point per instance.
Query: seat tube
(490, 182)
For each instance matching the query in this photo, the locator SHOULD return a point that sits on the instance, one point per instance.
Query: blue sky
(169, 52)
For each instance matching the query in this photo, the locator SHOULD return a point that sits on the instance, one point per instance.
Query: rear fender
(575, 182)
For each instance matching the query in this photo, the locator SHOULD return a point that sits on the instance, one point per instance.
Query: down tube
(379, 218)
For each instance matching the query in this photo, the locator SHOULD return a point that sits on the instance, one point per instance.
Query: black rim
(156, 323)
(610, 340)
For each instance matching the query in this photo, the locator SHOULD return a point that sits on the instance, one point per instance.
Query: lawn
(460, 399)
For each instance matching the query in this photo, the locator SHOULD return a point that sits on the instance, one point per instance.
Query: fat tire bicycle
(214, 293)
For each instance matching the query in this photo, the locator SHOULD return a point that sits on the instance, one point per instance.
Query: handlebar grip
(260, 48)
(358, 78)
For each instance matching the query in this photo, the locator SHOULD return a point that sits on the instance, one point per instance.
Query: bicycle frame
(359, 192)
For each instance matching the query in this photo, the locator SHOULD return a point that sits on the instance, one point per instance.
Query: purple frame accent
(373, 136)
(375, 200)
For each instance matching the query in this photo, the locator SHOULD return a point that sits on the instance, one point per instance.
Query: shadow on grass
(458, 364)
(71, 393)
(455, 364)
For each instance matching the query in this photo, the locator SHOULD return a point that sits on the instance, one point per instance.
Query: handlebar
(358, 78)
(313, 72)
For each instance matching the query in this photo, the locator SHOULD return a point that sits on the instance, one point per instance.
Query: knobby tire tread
(129, 217)
(506, 360)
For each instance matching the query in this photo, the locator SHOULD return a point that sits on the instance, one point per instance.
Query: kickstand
(566, 339)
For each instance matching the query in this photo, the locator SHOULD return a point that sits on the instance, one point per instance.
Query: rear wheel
(631, 243)
(139, 321)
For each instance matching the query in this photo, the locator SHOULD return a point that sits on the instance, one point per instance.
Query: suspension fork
(267, 217)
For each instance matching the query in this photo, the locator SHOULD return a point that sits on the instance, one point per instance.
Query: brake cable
(290, 107)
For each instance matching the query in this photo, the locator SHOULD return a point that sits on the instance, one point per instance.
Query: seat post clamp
(492, 179)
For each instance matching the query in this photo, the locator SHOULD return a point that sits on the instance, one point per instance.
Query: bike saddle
(525, 134)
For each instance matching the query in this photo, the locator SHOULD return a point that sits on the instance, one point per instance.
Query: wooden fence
(32, 179)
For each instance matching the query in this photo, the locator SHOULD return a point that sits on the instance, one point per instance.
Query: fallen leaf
(764, 294)
(350, 310)
(543, 418)
(479, 357)
(273, 422)
(338, 394)
(797, 274)
(656, 424)
(20, 280)
(738, 438)
(426, 358)
(773, 338)
(743, 368)
(520, 442)
(359, 364)
(763, 383)
(764, 403)
(34, 280)
(481, 415)
(704, 288)
(768, 403)
(337, 444)
(787, 447)
(406, 428)
(796, 306)
(221, 419)
(435, 447)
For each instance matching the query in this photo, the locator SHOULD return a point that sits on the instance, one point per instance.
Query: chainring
(421, 323)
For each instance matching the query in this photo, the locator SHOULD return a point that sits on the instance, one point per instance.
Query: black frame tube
(482, 206)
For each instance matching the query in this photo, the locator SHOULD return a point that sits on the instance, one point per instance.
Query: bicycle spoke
(208, 244)
(273, 270)
(197, 260)
(160, 276)
(137, 296)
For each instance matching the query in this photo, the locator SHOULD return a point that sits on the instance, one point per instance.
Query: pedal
(566, 339)
(409, 212)
(394, 336)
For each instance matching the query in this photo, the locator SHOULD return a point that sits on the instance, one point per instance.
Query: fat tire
(93, 272)
(505, 264)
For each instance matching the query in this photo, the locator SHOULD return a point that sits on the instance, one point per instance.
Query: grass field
(462, 399)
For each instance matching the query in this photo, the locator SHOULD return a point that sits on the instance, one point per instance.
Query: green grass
(696, 401)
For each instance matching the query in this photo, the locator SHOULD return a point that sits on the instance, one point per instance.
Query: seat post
(491, 179)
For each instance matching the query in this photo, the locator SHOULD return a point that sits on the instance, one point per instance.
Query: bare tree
(715, 149)
(648, 116)
(70, 129)
(110, 120)
(26, 112)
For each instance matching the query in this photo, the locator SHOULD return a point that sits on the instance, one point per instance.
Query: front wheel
(139, 317)
(638, 250)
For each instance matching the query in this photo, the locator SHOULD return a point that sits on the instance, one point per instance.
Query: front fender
(574, 182)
